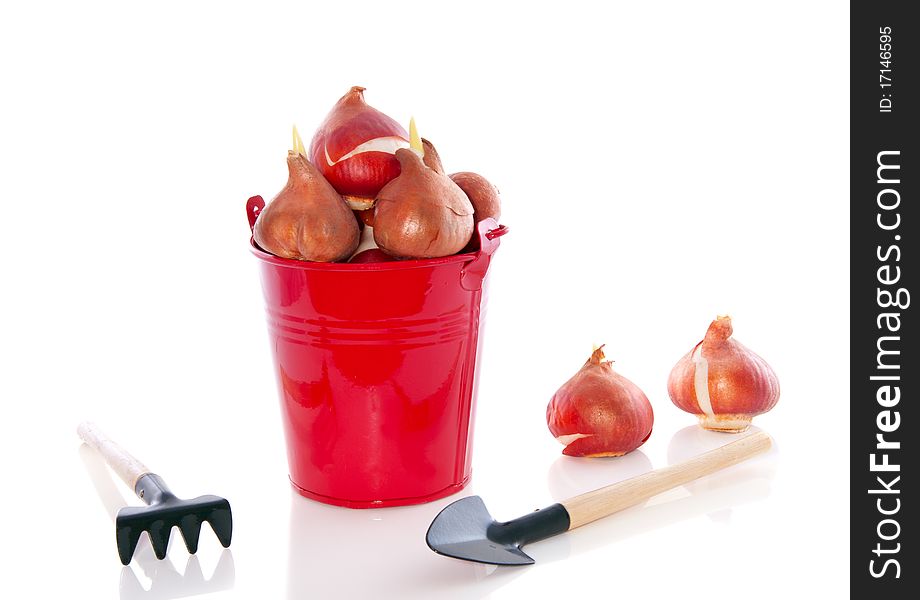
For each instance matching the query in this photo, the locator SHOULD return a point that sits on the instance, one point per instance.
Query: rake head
(165, 511)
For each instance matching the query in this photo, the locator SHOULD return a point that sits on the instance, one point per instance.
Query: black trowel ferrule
(533, 527)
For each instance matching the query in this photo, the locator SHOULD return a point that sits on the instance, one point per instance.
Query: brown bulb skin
(307, 219)
(598, 412)
(366, 217)
(421, 213)
(483, 195)
(723, 382)
(432, 159)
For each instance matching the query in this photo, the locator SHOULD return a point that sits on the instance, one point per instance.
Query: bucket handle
(254, 206)
(475, 271)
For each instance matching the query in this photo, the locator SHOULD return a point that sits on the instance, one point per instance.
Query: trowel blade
(460, 531)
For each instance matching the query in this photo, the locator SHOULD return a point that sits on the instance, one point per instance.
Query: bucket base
(451, 489)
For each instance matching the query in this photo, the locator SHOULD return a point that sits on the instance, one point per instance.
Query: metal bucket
(376, 366)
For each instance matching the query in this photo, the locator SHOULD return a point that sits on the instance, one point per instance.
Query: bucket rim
(394, 265)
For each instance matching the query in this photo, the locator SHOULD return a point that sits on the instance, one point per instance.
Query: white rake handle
(126, 466)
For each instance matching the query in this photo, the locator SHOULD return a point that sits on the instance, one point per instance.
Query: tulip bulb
(598, 412)
(421, 213)
(482, 194)
(354, 148)
(307, 220)
(723, 382)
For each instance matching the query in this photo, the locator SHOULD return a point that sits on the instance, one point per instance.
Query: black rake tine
(221, 522)
(126, 538)
(159, 538)
(164, 509)
(190, 526)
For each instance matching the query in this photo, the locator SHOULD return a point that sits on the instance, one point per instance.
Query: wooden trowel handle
(128, 468)
(605, 501)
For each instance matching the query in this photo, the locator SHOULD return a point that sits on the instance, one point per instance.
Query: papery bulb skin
(598, 412)
(483, 195)
(307, 219)
(421, 213)
(432, 159)
(366, 217)
(354, 148)
(723, 382)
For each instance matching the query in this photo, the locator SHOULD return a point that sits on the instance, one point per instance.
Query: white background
(660, 163)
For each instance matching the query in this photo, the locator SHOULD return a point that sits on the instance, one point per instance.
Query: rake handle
(126, 466)
(605, 501)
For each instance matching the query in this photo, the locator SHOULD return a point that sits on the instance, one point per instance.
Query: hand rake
(163, 511)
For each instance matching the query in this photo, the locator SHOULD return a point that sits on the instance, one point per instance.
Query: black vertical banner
(884, 370)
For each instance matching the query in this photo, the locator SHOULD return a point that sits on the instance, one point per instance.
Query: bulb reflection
(715, 495)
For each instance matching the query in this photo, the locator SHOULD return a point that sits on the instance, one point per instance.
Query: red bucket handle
(254, 206)
(489, 232)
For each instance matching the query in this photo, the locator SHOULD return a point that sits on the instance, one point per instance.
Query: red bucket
(376, 368)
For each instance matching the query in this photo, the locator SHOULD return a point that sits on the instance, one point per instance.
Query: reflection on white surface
(714, 495)
(165, 581)
(381, 553)
(378, 553)
(161, 578)
(694, 440)
(569, 476)
(112, 499)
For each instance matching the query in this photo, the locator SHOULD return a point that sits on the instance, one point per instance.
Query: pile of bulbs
(368, 191)
(598, 412)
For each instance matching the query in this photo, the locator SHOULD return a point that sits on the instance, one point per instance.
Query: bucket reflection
(379, 553)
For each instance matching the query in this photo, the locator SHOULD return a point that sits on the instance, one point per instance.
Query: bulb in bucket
(307, 219)
(483, 195)
(414, 211)
(354, 146)
(421, 213)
